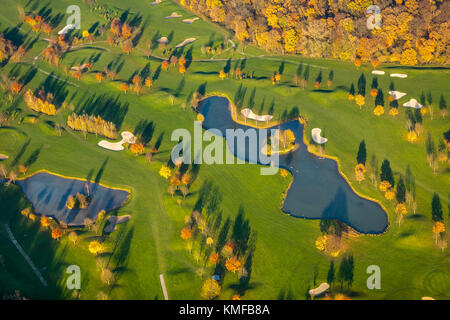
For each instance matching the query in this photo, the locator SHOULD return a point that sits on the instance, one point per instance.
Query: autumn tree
(95, 247)
(330, 78)
(56, 233)
(210, 289)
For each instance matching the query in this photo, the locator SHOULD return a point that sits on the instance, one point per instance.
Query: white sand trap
(413, 104)
(185, 42)
(66, 29)
(250, 115)
(79, 68)
(173, 15)
(189, 21)
(114, 220)
(315, 133)
(127, 137)
(156, 2)
(3, 157)
(319, 290)
(398, 75)
(397, 94)
(428, 298)
(163, 40)
(378, 72)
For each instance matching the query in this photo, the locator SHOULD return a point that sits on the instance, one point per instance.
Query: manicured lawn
(285, 258)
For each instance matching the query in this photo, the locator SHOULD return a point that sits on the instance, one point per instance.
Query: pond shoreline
(337, 204)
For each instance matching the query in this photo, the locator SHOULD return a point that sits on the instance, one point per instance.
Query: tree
(56, 233)
(184, 190)
(96, 247)
(436, 208)
(73, 237)
(186, 234)
(443, 105)
(401, 191)
(107, 276)
(330, 275)
(45, 221)
(210, 289)
(360, 101)
(374, 87)
(214, 258)
(386, 172)
(318, 80)
(362, 85)
(362, 155)
(343, 267)
(379, 99)
(360, 170)
(165, 172)
(233, 264)
(330, 78)
(351, 92)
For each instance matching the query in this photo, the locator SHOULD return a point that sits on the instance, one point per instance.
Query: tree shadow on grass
(118, 261)
(45, 252)
(20, 153)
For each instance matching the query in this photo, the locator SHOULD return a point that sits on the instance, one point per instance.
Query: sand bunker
(163, 40)
(397, 94)
(250, 115)
(413, 104)
(3, 157)
(315, 133)
(189, 21)
(378, 72)
(399, 75)
(428, 298)
(114, 220)
(173, 15)
(185, 42)
(80, 68)
(156, 2)
(66, 29)
(127, 137)
(319, 290)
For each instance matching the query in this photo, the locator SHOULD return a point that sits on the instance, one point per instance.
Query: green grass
(285, 257)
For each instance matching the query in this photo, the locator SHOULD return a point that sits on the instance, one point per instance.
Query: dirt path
(163, 286)
(26, 257)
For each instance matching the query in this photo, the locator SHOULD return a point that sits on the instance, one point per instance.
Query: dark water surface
(48, 193)
(318, 190)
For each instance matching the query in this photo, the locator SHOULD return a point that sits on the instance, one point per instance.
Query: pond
(49, 192)
(318, 190)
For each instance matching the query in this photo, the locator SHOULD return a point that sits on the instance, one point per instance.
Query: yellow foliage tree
(210, 289)
(96, 247)
(165, 172)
